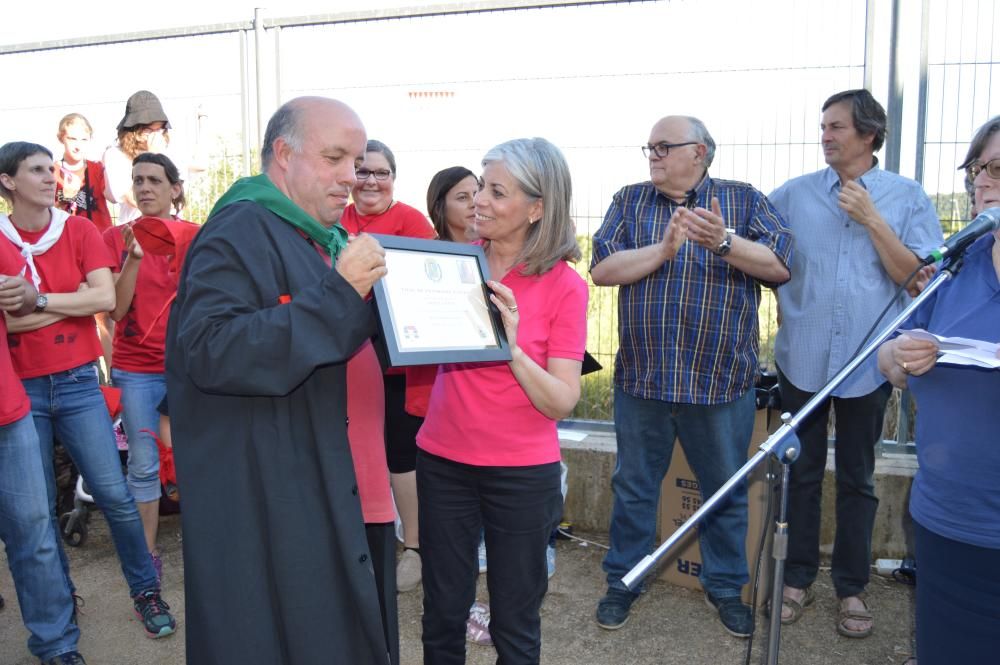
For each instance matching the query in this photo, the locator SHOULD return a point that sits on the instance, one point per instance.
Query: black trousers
(382, 546)
(858, 428)
(517, 507)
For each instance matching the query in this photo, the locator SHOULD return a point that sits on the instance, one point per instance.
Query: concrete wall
(591, 462)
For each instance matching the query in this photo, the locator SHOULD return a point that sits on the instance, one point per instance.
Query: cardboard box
(680, 497)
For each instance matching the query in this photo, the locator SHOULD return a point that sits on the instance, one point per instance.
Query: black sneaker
(71, 658)
(155, 614)
(613, 609)
(736, 617)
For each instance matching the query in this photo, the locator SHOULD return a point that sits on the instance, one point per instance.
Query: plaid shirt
(688, 331)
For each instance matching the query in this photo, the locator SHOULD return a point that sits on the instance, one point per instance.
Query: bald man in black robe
(277, 566)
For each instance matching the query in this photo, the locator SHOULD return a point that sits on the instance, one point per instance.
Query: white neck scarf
(29, 250)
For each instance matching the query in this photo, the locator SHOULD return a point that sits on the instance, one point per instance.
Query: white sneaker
(477, 626)
(408, 571)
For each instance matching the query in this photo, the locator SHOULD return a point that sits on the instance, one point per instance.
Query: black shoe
(736, 617)
(71, 658)
(613, 609)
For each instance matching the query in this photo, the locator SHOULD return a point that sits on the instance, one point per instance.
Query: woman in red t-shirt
(145, 287)
(54, 349)
(374, 210)
(489, 450)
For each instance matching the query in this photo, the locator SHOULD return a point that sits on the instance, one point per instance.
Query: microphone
(986, 222)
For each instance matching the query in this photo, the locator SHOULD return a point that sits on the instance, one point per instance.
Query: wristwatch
(725, 246)
(41, 302)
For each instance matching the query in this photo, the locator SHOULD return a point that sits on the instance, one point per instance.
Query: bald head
(312, 147)
(289, 120)
(683, 151)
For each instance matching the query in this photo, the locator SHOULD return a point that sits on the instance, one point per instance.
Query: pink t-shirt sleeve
(568, 333)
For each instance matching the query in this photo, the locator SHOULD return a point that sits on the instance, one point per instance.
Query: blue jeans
(32, 554)
(69, 405)
(715, 439)
(141, 394)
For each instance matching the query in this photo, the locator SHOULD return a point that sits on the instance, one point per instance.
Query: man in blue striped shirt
(689, 253)
(858, 231)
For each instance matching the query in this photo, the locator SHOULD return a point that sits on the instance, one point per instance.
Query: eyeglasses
(663, 149)
(380, 174)
(146, 131)
(991, 167)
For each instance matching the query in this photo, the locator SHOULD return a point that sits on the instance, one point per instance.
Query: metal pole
(258, 46)
(925, 29)
(277, 66)
(244, 103)
(893, 138)
(869, 42)
(779, 552)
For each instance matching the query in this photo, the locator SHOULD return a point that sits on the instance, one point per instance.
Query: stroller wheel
(73, 533)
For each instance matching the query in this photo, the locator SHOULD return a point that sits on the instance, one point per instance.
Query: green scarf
(262, 191)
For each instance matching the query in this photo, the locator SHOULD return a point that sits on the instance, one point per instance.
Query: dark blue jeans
(859, 428)
(715, 439)
(517, 507)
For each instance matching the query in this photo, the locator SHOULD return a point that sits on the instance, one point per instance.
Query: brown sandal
(797, 607)
(857, 615)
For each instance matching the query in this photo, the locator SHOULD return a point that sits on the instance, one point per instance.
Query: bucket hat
(143, 108)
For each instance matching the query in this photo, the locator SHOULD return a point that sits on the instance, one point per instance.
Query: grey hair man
(689, 253)
(257, 346)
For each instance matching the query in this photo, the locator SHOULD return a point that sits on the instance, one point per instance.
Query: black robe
(276, 563)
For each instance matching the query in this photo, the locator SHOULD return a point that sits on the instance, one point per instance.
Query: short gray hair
(284, 124)
(699, 133)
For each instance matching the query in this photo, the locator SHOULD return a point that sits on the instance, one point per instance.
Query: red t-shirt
(14, 403)
(141, 335)
(478, 413)
(73, 341)
(419, 381)
(399, 220)
(366, 428)
(366, 433)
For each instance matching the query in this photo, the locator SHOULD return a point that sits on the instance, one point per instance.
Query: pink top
(478, 413)
(366, 432)
(366, 428)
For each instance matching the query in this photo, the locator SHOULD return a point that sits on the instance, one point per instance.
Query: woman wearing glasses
(144, 128)
(955, 500)
(375, 210)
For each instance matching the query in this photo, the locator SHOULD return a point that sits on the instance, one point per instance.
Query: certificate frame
(436, 308)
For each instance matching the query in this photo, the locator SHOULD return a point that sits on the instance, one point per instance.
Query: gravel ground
(668, 625)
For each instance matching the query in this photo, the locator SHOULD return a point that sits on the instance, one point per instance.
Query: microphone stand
(784, 445)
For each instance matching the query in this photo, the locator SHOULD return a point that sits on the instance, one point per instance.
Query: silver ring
(513, 309)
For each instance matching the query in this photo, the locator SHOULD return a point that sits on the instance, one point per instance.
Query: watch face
(41, 302)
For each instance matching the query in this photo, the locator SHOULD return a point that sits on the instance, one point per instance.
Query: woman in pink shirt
(489, 451)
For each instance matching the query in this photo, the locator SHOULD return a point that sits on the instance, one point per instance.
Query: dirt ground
(669, 625)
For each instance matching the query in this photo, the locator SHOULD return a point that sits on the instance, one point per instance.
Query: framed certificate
(433, 305)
